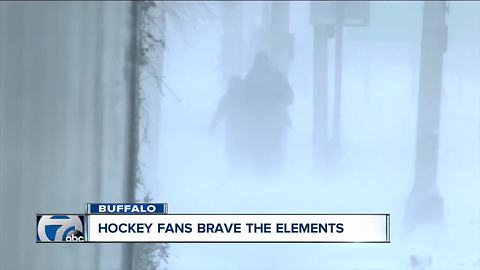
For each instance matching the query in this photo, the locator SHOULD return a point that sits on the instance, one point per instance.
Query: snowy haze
(371, 172)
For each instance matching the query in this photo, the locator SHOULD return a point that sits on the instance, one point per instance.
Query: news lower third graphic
(151, 223)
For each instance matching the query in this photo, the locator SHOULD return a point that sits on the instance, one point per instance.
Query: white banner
(374, 228)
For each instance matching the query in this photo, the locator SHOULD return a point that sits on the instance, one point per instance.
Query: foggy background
(371, 171)
(114, 102)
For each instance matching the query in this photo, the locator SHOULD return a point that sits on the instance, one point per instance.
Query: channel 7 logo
(60, 228)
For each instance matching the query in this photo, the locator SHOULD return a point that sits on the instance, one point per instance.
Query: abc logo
(60, 228)
(75, 236)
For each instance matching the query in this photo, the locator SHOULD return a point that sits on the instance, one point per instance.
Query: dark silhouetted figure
(231, 108)
(267, 95)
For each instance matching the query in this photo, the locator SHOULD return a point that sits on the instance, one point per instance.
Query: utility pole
(424, 203)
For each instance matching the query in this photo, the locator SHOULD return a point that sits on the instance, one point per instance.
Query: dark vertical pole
(429, 96)
(133, 147)
(424, 203)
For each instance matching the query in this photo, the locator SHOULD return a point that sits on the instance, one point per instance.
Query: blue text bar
(127, 208)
